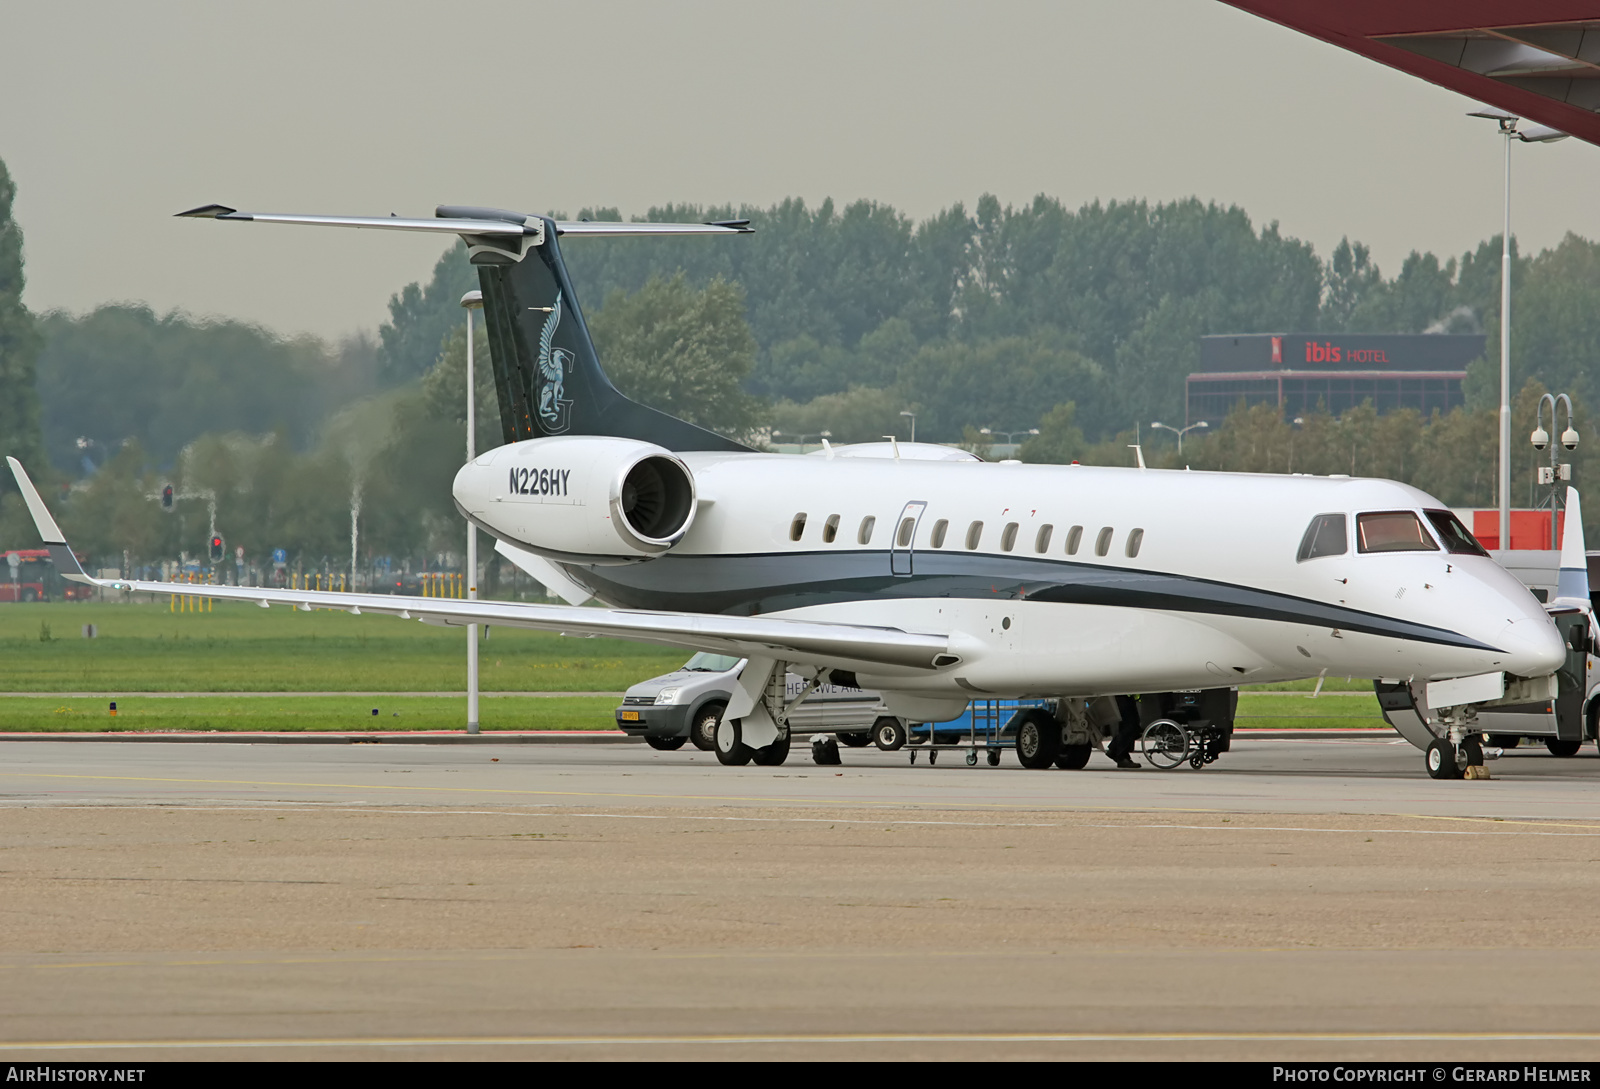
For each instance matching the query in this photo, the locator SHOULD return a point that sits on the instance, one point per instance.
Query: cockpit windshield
(1325, 536)
(1454, 535)
(1392, 531)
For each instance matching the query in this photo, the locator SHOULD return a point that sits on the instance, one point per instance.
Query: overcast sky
(114, 116)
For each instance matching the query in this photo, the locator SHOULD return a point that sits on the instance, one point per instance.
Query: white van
(686, 705)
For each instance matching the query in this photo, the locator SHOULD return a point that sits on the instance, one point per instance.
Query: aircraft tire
(889, 734)
(666, 744)
(1563, 748)
(731, 749)
(773, 755)
(1474, 751)
(703, 730)
(855, 741)
(1038, 739)
(1073, 757)
(1440, 760)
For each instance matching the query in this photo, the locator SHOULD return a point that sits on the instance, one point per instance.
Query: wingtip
(207, 211)
(42, 521)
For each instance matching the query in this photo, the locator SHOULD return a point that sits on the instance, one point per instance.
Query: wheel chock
(1476, 771)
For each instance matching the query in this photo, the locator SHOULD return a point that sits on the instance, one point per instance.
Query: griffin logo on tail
(554, 408)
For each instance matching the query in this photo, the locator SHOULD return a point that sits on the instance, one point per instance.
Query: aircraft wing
(1538, 59)
(842, 646)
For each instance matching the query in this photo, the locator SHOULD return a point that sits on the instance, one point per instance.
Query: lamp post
(472, 300)
(1182, 431)
(1533, 134)
(1008, 434)
(801, 438)
(1553, 474)
(913, 416)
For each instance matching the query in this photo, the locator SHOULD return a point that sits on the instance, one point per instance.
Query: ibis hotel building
(1302, 372)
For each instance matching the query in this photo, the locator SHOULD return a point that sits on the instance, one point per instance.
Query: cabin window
(1041, 542)
(1392, 531)
(1008, 537)
(974, 534)
(830, 529)
(903, 538)
(797, 528)
(939, 529)
(1325, 536)
(1135, 539)
(1454, 535)
(864, 534)
(1102, 543)
(1074, 539)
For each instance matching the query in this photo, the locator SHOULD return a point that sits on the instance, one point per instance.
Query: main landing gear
(732, 751)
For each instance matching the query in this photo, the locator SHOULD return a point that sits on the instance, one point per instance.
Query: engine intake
(657, 498)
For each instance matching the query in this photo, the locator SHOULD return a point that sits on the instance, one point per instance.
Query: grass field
(144, 648)
(37, 714)
(244, 648)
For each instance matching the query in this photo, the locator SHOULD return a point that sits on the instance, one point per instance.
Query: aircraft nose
(1533, 646)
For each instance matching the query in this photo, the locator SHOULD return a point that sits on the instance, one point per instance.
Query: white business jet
(933, 580)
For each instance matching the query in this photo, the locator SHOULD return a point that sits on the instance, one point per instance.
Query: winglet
(66, 563)
(1572, 581)
(207, 211)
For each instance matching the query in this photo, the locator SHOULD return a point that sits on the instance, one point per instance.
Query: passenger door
(903, 542)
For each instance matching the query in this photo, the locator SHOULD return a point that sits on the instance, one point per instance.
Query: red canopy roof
(1537, 59)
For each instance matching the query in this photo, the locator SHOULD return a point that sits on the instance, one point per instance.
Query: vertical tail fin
(546, 371)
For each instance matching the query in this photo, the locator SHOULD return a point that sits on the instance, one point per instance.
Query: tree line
(1080, 322)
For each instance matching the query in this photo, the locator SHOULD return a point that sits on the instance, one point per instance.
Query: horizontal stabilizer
(498, 227)
(483, 222)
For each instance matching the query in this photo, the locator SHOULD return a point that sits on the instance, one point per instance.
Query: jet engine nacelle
(580, 498)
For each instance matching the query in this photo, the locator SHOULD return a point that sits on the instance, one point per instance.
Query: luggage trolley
(980, 730)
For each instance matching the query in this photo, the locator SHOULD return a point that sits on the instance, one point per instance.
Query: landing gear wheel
(1472, 749)
(731, 749)
(1073, 757)
(1038, 738)
(1164, 744)
(770, 756)
(889, 734)
(1504, 741)
(855, 741)
(1563, 748)
(666, 744)
(994, 758)
(703, 729)
(1441, 760)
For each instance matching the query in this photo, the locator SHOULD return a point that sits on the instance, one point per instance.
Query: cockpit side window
(1392, 531)
(1454, 535)
(1325, 536)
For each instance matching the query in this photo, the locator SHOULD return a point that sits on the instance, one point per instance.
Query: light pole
(913, 416)
(1008, 434)
(1182, 431)
(472, 300)
(1553, 474)
(801, 438)
(1535, 134)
